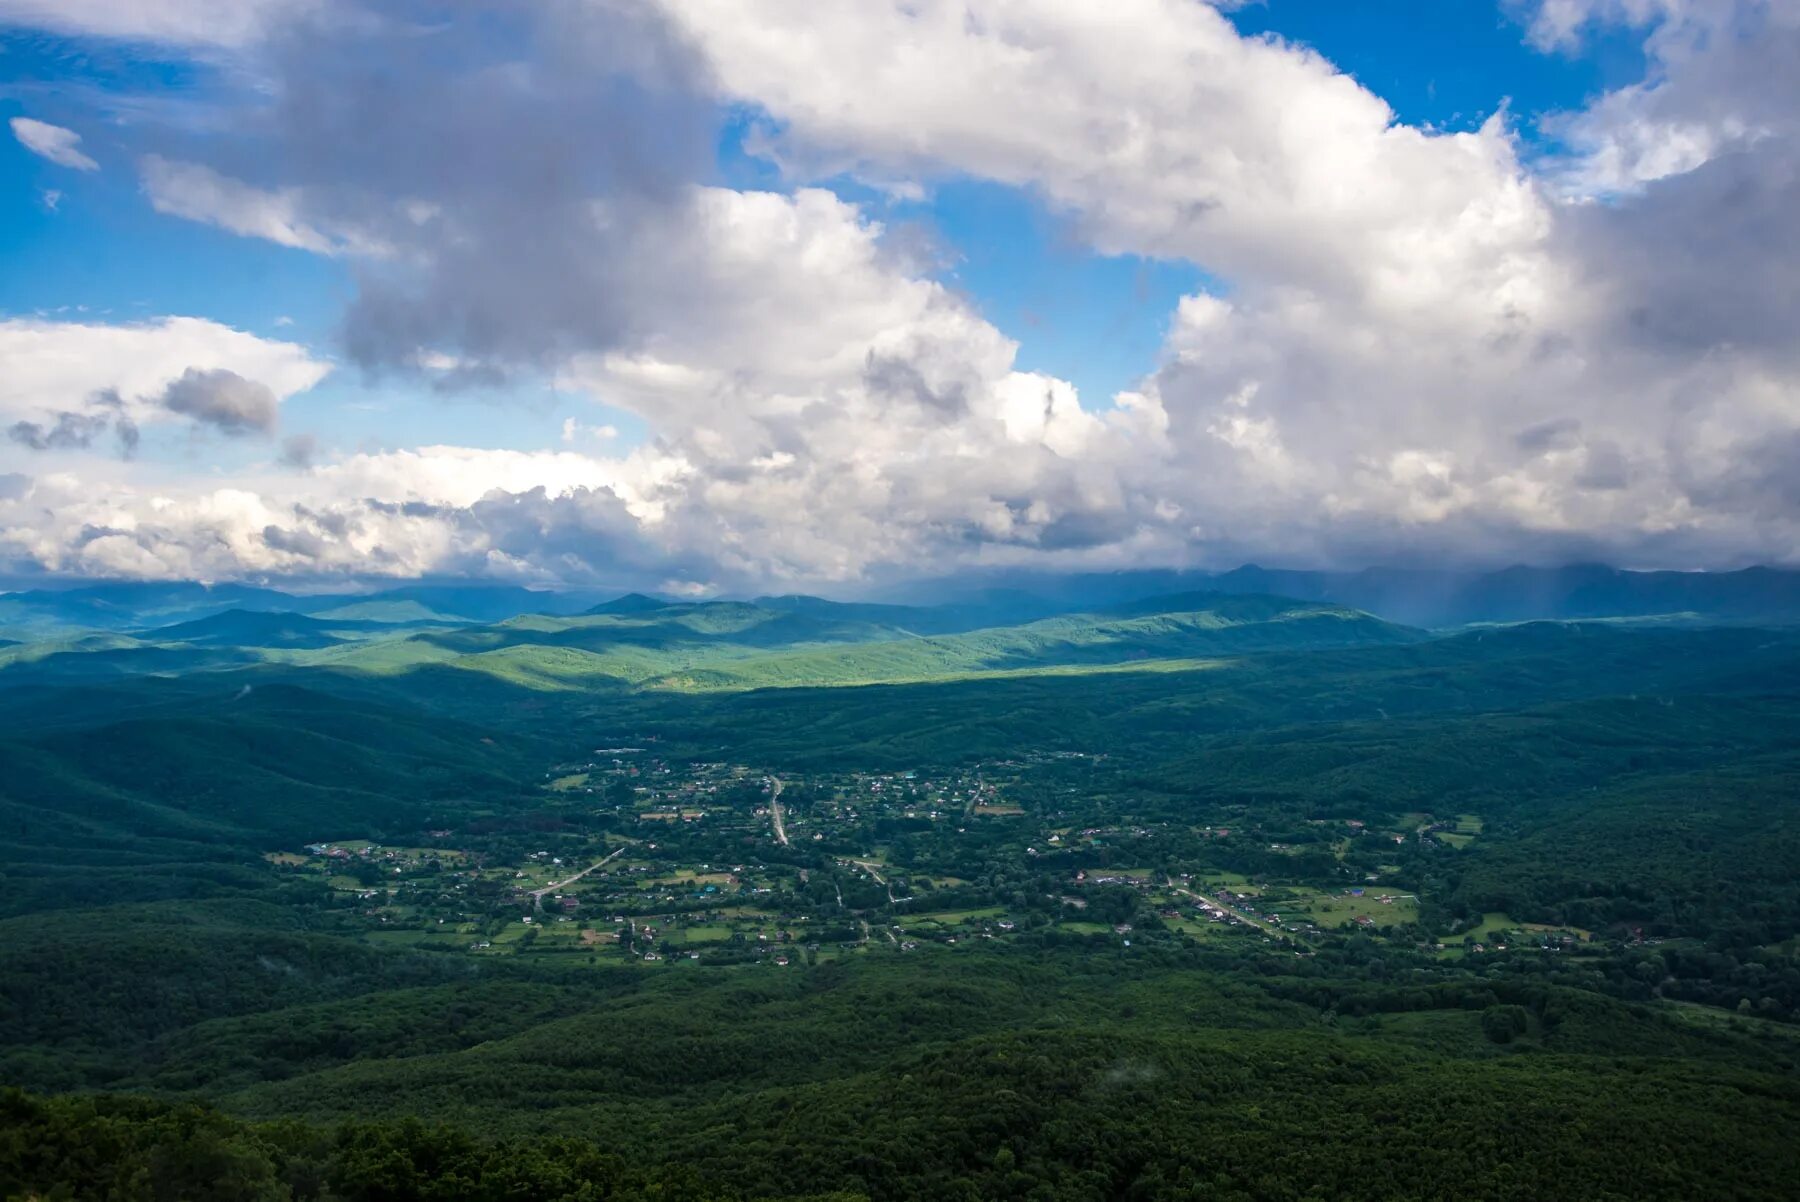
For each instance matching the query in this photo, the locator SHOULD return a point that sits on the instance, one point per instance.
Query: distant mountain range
(1424, 598)
(266, 628)
(144, 606)
(641, 642)
(1435, 599)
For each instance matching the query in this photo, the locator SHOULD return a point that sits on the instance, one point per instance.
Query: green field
(1341, 909)
(1491, 924)
(955, 917)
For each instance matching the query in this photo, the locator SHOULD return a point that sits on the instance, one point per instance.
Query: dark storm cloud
(77, 431)
(893, 376)
(513, 164)
(298, 450)
(334, 523)
(584, 536)
(1764, 479)
(1547, 435)
(1705, 260)
(302, 543)
(409, 509)
(223, 400)
(70, 431)
(127, 433)
(1606, 468)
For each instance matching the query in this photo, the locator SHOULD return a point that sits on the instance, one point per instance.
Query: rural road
(775, 810)
(874, 871)
(537, 895)
(1260, 925)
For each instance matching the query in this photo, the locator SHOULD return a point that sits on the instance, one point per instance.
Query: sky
(713, 296)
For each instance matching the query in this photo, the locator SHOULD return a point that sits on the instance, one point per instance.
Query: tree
(1503, 1024)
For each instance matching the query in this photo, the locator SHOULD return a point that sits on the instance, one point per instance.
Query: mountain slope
(1433, 597)
(247, 628)
(144, 605)
(1184, 627)
(735, 645)
(253, 766)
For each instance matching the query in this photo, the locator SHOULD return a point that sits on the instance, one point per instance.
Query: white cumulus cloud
(206, 23)
(57, 367)
(199, 193)
(53, 142)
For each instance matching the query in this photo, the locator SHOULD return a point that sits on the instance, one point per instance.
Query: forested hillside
(1192, 896)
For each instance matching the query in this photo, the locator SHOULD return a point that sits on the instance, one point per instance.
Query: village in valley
(640, 858)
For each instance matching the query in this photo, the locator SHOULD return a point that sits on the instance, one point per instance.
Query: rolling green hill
(249, 628)
(1179, 628)
(782, 642)
(723, 645)
(135, 606)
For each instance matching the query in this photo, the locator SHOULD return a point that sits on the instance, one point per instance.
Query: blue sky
(1450, 63)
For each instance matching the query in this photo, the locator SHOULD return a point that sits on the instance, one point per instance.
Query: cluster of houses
(1112, 878)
